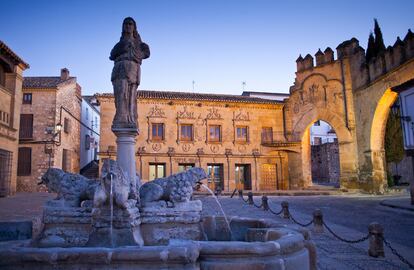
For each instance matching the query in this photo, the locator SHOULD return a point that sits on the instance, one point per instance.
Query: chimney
(64, 74)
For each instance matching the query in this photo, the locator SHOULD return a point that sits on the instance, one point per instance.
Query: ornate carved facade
(220, 133)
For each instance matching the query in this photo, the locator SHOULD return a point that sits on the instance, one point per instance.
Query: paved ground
(348, 215)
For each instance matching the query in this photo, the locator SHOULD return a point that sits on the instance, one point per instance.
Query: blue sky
(218, 44)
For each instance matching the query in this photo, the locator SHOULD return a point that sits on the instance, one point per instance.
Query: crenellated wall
(354, 96)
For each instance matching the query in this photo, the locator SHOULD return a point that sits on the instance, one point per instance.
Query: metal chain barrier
(404, 260)
(343, 239)
(257, 205)
(318, 218)
(275, 213)
(300, 224)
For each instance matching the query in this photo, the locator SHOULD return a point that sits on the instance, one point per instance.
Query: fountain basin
(261, 248)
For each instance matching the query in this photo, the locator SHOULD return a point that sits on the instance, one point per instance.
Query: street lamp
(55, 131)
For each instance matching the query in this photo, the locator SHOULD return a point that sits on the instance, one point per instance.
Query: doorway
(243, 176)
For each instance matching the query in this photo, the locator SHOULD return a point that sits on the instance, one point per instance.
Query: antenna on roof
(243, 85)
(193, 85)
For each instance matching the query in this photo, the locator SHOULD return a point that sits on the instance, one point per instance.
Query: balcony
(278, 139)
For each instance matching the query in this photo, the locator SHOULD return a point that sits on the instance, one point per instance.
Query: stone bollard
(265, 203)
(285, 207)
(250, 198)
(318, 221)
(376, 244)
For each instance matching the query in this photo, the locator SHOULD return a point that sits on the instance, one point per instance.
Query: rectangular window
(6, 158)
(186, 132)
(26, 126)
(66, 125)
(66, 160)
(156, 170)
(87, 142)
(242, 134)
(157, 131)
(215, 176)
(214, 134)
(267, 135)
(27, 98)
(185, 166)
(24, 161)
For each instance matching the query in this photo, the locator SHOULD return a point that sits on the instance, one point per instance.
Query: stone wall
(48, 110)
(325, 163)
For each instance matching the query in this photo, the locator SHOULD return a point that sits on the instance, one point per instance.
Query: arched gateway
(354, 97)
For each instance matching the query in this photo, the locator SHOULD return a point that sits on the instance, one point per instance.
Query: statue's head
(129, 26)
(52, 179)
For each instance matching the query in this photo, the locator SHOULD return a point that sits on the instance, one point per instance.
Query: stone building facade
(238, 140)
(49, 134)
(11, 78)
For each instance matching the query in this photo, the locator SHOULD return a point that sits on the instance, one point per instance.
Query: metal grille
(5, 172)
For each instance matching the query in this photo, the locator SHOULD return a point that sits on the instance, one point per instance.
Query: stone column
(125, 156)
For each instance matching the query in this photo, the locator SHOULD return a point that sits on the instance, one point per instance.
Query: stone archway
(347, 155)
(377, 135)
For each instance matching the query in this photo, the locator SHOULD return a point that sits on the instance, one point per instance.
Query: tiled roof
(150, 94)
(43, 82)
(6, 49)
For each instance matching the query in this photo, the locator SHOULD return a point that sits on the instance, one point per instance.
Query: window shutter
(24, 162)
(66, 125)
(66, 160)
(26, 126)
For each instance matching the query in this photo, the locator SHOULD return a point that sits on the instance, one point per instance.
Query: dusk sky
(218, 44)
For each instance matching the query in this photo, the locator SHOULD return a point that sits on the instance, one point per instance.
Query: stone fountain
(117, 223)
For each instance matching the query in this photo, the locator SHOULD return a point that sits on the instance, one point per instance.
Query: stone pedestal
(161, 223)
(125, 156)
(65, 226)
(125, 226)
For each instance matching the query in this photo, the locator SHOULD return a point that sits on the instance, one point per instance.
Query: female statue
(127, 55)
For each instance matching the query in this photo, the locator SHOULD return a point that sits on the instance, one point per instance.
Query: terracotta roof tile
(43, 82)
(151, 94)
(6, 49)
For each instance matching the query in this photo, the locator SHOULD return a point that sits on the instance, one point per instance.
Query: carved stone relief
(184, 114)
(214, 148)
(156, 112)
(242, 149)
(156, 147)
(242, 116)
(186, 147)
(213, 114)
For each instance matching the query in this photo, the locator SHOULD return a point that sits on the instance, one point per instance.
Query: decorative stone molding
(213, 114)
(184, 114)
(156, 112)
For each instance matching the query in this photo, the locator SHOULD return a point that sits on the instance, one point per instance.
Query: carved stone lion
(175, 188)
(122, 189)
(71, 189)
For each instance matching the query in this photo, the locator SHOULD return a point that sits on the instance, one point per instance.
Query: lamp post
(55, 131)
